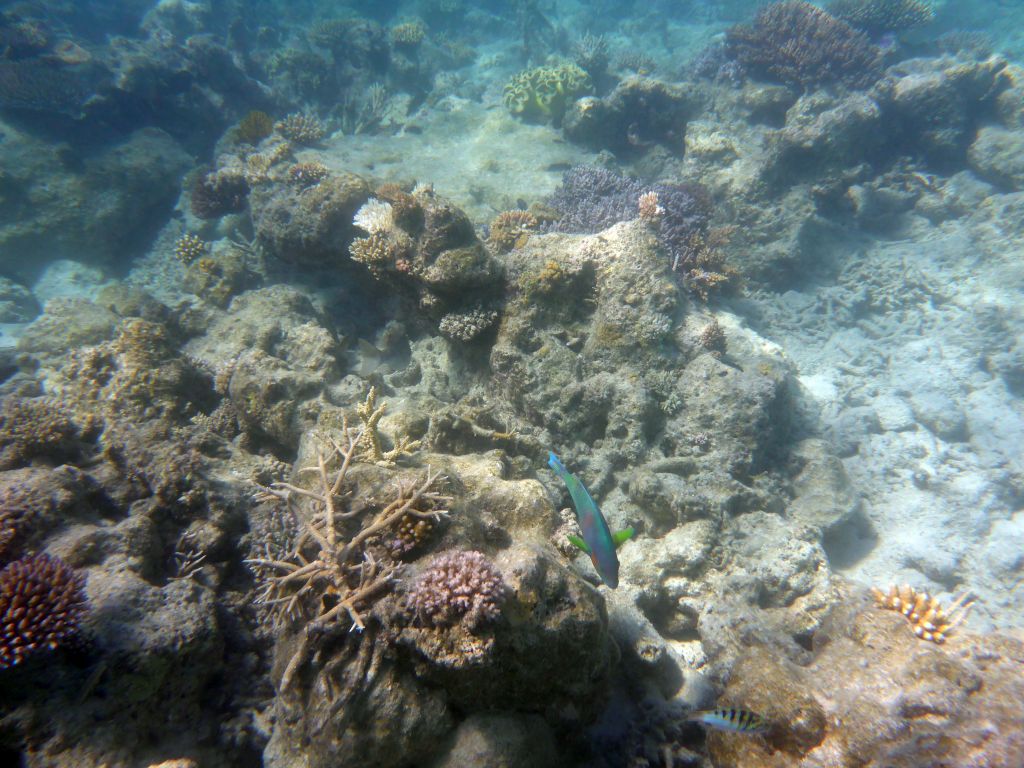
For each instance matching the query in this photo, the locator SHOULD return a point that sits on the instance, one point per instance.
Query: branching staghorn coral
(344, 578)
(929, 619)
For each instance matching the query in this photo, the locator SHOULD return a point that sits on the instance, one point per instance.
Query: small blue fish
(598, 541)
(731, 719)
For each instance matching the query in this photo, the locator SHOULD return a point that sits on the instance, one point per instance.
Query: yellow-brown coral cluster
(190, 247)
(307, 174)
(408, 34)
(929, 620)
(254, 127)
(511, 229)
(301, 128)
(370, 414)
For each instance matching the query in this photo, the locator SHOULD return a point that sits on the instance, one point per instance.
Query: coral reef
(408, 34)
(42, 604)
(929, 620)
(37, 85)
(878, 16)
(466, 326)
(458, 586)
(307, 174)
(798, 43)
(544, 93)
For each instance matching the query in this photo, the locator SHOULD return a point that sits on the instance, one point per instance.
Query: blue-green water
(296, 299)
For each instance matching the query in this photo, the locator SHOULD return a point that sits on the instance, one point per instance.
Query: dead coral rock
(873, 694)
(309, 225)
(933, 104)
(502, 741)
(997, 155)
(268, 396)
(639, 113)
(66, 323)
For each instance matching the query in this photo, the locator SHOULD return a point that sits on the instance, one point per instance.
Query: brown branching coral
(878, 16)
(217, 193)
(343, 578)
(307, 174)
(42, 601)
(798, 43)
(929, 620)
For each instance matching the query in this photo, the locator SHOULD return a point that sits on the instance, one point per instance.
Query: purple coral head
(42, 601)
(460, 585)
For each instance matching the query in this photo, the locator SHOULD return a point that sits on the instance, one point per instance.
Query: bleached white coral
(375, 216)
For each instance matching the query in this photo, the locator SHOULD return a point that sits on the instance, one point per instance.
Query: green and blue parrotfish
(731, 719)
(598, 541)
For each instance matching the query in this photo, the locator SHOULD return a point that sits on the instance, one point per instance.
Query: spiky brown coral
(31, 427)
(254, 127)
(301, 128)
(190, 247)
(799, 43)
(42, 601)
(878, 16)
(511, 229)
(929, 620)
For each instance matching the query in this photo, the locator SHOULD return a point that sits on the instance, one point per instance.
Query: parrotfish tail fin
(555, 464)
(579, 543)
(620, 537)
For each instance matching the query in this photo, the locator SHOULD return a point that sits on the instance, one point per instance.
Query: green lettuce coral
(545, 93)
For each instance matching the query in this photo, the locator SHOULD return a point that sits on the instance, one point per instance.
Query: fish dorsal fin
(579, 543)
(620, 537)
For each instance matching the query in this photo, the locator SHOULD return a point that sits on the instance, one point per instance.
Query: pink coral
(458, 585)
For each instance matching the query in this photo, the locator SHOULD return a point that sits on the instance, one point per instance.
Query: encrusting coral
(929, 620)
(42, 601)
(511, 229)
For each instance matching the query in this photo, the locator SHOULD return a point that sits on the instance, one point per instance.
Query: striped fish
(731, 719)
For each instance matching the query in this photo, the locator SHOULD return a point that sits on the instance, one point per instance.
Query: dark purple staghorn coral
(458, 585)
(42, 601)
(593, 199)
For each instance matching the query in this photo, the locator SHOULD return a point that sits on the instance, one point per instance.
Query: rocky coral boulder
(873, 693)
(309, 225)
(997, 155)
(933, 105)
(59, 202)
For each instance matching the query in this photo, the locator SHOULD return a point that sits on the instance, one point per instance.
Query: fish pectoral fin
(619, 537)
(579, 543)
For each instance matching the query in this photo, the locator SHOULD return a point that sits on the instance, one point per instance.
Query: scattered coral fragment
(929, 619)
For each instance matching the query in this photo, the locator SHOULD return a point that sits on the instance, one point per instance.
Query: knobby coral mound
(33, 427)
(254, 127)
(217, 193)
(928, 618)
(458, 586)
(42, 602)
(799, 44)
(878, 16)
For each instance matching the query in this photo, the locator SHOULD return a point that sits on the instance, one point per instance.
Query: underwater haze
(511, 383)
